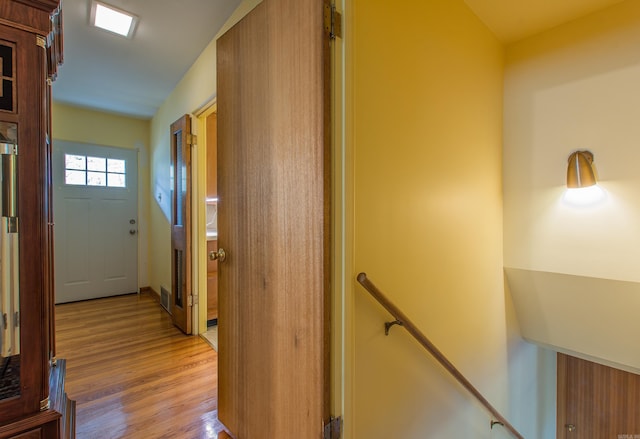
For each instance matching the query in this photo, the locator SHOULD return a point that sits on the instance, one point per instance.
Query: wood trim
(209, 106)
(148, 290)
(33, 30)
(30, 116)
(152, 293)
(26, 424)
(412, 329)
(327, 158)
(21, 16)
(45, 5)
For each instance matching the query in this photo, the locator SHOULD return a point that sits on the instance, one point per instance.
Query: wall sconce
(580, 172)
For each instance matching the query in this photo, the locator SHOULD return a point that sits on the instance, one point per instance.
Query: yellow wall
(427, 128)
(195, 90)
(94, 127)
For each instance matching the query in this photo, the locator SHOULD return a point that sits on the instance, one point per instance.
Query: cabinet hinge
(332, 21)
(332, 428)
(40, 41)
(192, 139)
(190, 301)
(45, 404)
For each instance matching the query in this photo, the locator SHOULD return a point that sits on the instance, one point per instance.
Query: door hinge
(40, 41)
(45, 404)
(190, 301)
(192, 139)
(332, 428)
(332, 21)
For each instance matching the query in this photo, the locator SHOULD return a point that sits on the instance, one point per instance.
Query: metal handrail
(402, 320)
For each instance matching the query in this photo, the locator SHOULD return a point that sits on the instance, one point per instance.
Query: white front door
(95, 205)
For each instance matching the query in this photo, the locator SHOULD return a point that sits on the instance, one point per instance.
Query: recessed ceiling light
(113, 19)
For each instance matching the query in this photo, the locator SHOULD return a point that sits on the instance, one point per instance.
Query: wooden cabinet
(33, 403)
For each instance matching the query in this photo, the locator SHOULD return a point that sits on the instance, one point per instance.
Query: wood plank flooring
(133, 374)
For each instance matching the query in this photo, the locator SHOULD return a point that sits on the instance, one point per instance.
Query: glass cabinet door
(9, 264)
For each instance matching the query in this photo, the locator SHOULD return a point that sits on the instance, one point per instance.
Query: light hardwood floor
(133, 374)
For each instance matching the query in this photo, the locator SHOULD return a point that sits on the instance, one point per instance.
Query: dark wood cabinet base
(56, 421)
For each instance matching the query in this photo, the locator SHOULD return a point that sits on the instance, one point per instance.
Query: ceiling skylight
(113, 19)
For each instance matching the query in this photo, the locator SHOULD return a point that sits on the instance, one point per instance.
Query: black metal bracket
(388, 325)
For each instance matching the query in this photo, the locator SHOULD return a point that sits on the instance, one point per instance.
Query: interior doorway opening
(207, 230)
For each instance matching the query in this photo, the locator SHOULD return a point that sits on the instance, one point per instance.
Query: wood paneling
(273, 222)
(133, 373)
(599, 401)
(33, 434)
(28, 16)
(46, 422)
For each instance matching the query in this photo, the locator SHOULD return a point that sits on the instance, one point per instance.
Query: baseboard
(157, 297)
(153, 293)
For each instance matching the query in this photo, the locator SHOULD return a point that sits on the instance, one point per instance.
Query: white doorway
(95, 203)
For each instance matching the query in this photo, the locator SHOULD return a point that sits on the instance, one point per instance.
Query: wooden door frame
(342, 350)
(199, 227)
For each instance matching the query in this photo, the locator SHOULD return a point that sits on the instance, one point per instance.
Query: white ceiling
(133, 77)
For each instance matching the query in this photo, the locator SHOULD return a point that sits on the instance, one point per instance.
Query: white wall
(575, 270)
(574, 87)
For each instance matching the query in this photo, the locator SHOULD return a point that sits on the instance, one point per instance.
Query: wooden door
(596, 401)
(273, 213)
(181, 298)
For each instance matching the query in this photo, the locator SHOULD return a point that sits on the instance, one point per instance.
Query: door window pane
(96, 179)
(115, 180)
(96, 164)
(74, 161)
(75, 177)
(179, 182)
(94, 171)
(115, 165)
